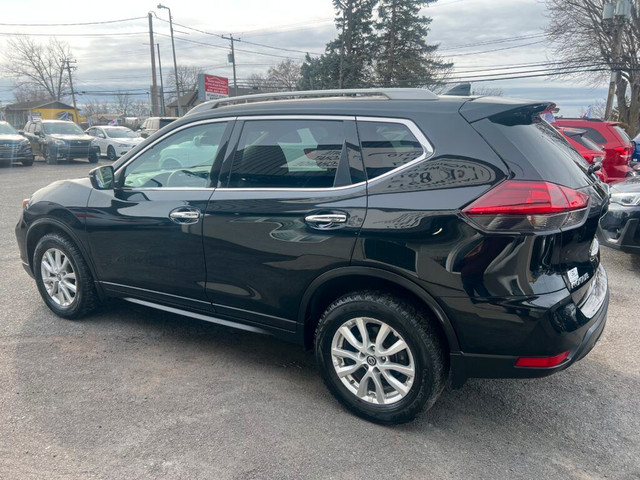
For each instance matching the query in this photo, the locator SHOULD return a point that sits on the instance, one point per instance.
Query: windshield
(6, 129)
(62, 128)
(120, 133)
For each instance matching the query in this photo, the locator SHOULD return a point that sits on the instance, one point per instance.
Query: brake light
(623, 152)
(542, 362)
(592, 158)
(528, 206)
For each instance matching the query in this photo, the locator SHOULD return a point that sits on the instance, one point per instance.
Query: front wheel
(28, 162)
(380, 356)
(93, 158)
(51, 154)
(111, 154)
(64, 280)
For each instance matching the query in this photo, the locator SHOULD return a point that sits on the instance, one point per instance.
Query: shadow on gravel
(151, 385)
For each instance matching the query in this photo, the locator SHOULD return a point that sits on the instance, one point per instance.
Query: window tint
(183, 159)
(386, 146)
(594, 135)
(288, 154)
(587, 142)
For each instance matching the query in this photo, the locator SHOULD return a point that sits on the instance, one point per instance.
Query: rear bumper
(578, 342)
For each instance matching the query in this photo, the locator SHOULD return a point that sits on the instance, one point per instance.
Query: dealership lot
(136, 393)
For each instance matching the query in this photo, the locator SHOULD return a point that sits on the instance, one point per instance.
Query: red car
(590, 151)
(617, 144)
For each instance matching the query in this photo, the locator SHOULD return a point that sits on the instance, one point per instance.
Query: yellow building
(18, 114)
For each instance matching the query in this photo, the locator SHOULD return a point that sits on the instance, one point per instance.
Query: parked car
(152, 124)
(60, 140)
(619, 227)
(409, 239)
(114, 141)
(14, 148)
(613, 138)
(590, 151)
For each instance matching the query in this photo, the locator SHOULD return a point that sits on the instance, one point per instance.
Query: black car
(14, 148)
(410, 239)
(619, 227)
(60, 140)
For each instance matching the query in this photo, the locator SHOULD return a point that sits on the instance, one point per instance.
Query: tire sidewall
(424, 377)
(111, 153)
(43, 245)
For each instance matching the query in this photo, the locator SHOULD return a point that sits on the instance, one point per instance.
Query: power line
(491, 42)
(495, 49)
(119, 34)
(70, 24)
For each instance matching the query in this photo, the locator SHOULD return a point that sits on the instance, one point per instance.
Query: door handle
(184, 215)
(326, 220)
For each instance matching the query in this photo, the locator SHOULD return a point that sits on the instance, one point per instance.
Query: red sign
(215, 87)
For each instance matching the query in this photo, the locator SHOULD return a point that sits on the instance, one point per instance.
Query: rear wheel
(64, 280)
(111, 153)
(380, 356)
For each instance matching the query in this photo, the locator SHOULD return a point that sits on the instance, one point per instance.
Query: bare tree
(284, 76)
(187, 77)
(37, 67)
(123, 103)
(584, 45)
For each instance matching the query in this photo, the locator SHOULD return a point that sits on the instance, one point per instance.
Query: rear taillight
(624, 153)
(592, 158)
(528, 206)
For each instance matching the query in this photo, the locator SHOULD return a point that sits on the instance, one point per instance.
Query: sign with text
(211, 87)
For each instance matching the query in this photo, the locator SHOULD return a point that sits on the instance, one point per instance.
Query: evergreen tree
(405, 59)
(348, 60)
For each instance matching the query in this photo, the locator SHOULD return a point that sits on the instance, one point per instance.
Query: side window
(183, 159)
(92, 132)
(37, 128)
(288, 154)
(386, 146)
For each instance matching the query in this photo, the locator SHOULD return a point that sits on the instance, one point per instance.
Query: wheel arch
(46, 225)
(331, 285)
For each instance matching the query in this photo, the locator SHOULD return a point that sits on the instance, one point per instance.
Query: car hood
(628, 186)
(11, 138)
(59, 136)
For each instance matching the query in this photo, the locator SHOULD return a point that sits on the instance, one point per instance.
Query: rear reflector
(542, 362)
(528, 206)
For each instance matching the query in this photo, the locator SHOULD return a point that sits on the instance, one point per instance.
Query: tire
(111, 154)
(28, 162)
(424, 355)
(85, 298)
(51, 154)
(93, 158)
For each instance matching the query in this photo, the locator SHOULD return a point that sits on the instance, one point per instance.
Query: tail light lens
(624, 153)
(591, 158)
(528, 207)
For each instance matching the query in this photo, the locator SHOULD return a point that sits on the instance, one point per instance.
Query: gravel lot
(136, 393)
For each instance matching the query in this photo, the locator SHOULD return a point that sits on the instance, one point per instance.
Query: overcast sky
(114, 55)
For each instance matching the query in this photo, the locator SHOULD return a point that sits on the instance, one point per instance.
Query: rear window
(587, 142)
(534, 150)
(165, 121)
(594, 135)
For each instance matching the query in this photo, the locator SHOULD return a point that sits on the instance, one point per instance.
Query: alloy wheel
(373, 361)
(58, 277)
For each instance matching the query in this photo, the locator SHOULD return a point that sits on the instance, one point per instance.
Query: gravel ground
(136, 393)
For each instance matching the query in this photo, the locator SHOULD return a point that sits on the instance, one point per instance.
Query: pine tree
(405, 59)
(348, 60)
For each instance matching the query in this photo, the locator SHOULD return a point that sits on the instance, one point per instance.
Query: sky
(115, 56)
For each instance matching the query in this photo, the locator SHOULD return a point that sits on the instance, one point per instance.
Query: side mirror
(21, 132)
(102, 178)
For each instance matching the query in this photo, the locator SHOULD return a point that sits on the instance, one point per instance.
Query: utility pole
(161, 82)
(175, 63)
(73, 93)
(232, 57)
(614, 16)
(154, 84)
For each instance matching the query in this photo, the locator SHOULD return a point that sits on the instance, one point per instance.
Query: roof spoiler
(484, 107)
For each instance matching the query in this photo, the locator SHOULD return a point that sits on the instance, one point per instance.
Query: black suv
(60, 140)
(13, 146)
(410, 239)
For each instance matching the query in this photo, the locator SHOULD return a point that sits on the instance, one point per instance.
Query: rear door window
(386, 146)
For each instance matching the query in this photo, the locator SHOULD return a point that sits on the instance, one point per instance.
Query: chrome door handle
(183, 215)
(325, 220)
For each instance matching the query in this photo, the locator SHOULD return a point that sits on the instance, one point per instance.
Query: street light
(175, 63)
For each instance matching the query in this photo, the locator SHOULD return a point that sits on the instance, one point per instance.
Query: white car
(114, 141)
